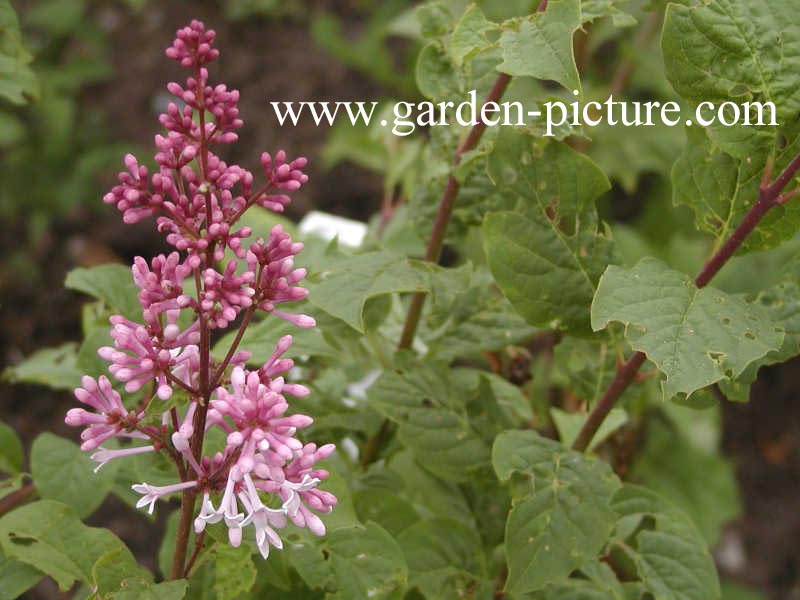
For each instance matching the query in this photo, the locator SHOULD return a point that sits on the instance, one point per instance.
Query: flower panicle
(265, 476)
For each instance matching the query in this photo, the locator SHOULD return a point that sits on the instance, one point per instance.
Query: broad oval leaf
(564, 518)
(540, 45)
(432, 418)
(345, 285)
(10, 450)
(444, 557)
(695, 336)
(50, 537)
(65, 473)
(111, 283)
(548, 254)
(669, 553)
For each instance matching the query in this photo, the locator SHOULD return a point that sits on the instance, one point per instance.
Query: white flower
(151, 493)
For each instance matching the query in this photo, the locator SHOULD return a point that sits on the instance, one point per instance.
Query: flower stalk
(198, 200)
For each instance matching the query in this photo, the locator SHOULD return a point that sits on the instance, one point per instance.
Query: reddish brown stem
(434, 247)
(184, 525)
(199, 420)
(16, 498)
(436, 240)
(623, 378)
(175, 381)
(432, 252)
(769, 196)
(198, 545)
(625, 67)
(745, 228)
(232, 350)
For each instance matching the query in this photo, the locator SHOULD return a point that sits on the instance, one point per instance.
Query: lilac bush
(530, 414)
(265, 475)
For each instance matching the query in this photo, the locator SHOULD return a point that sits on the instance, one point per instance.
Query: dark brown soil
(762, 438)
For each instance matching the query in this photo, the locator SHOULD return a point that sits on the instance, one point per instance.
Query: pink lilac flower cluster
(265, 475)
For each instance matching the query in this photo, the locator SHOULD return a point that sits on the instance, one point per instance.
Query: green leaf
(734, 49)
(346, 284)
(386, 508)
(432, 417)
(469, 35)
(430, 495)
(782, 303)
(540, 45)
(467, 315)
(13, 483)
(695, 337)
(18, 83)
(272, 572)
(435, 19)
(563, 519)
(594, 581)
(668, 552)
(548, 259)
(444, 557)
(111, 283)
(367, 562)
(52, 367)
(117, 571)
(10, 450)
(336, 485)
(706, 180)
(260, 338)
(436, 78)
(353, 563)
(592, 10)
(49, 536)
(234, 570)
(720, 181)
(167, 590)
(63, 472)
(16, 578)
(507, 396)
(699, 482)
(586, 367)
(491, 329)
(89, 361)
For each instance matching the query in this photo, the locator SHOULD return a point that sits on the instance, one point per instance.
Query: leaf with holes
(50, 537)
(734, 49)
(563, 519)
(739, 52)
(548, 254)
(695, 337)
